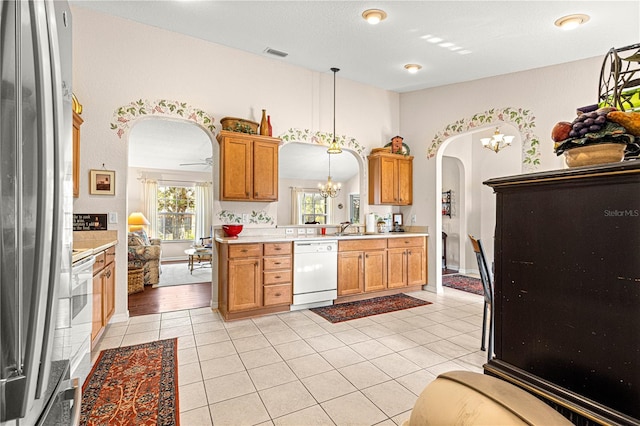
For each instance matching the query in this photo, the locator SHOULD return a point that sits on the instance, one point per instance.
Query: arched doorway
(524, 156)
(170, 144)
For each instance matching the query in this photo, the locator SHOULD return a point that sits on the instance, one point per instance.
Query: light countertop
(248, 239)
(88, 243)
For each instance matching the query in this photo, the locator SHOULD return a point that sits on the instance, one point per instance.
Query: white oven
(81, 308)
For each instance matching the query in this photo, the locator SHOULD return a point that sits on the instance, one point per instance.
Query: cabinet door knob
(278, 248)
(244, 250)
(246, 193)
(278, 276)
(276, 263)
(278, 294)
(408, 251)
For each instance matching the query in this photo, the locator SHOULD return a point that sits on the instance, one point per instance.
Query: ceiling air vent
(275, 52)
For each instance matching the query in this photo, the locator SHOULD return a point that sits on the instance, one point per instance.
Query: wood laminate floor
(168, 299)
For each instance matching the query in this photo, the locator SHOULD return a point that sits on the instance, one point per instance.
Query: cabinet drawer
(271, 263)
(245, 250)
(406, 242)
(100, 262)
(110, 255)
(277, 277)
(275, 249)
(358, 245)
(277, 294)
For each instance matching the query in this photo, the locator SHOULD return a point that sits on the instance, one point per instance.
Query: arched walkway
(520, 118)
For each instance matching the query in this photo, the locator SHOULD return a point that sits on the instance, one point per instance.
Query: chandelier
(331, 189)
(497, 142)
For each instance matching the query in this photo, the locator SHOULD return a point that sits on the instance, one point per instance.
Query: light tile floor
(296, 368)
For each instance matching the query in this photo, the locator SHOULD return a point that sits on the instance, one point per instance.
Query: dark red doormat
(464, 283)
(133, 385)
(364, 308)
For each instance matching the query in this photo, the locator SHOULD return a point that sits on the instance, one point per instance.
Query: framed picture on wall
(102, 182)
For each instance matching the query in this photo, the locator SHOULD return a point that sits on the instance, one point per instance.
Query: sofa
(144, 252)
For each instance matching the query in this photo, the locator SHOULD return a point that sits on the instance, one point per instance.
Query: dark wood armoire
(567, 289)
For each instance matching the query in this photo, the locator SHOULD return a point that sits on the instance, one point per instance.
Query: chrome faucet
(344, 226)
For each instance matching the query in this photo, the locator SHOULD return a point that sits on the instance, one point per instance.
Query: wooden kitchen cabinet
(390, 179)
(254, 279)
(350, 273)
(407, 262)
(380, 266)
(104, 286)
(248, 167)
(361, 266)
(277, 278)
(77, 122)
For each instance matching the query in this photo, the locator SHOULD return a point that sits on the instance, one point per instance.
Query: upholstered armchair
(144, 253)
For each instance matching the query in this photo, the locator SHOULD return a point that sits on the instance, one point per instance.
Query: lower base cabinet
(104, 287)
(254, 279)
(374, 265)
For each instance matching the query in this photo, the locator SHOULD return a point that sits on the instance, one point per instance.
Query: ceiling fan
(205, 162)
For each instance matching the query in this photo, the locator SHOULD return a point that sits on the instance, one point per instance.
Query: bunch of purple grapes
(589, 122)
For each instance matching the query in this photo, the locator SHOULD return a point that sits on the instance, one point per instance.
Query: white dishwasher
(315, 273)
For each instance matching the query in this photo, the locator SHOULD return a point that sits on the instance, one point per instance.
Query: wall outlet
(311, 231)
(113, 217)
(413, 219)
(288, 231)
(300, 231)
(245, 217)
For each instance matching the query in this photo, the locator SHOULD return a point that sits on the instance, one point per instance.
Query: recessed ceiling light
(454, 48)
(571, 22)
(373, 16)
(434, 40)
(464, 52)
(413, 68)
(446, 44)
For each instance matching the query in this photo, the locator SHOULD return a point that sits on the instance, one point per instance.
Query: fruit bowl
(232, 231)
(594, 154)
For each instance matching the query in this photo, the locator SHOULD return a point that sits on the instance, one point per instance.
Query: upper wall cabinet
(77, 122)
(248, 167)
(390, 179)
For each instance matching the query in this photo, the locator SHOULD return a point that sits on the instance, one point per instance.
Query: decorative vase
(269, 125)
(264, 126)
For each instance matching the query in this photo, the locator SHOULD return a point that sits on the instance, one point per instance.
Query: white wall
(116, 61)
(551, 93)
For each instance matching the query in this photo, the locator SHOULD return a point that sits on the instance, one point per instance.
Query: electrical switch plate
(300, 231)
(311, 231)
(288, 231)
(113, 217)
(245, 217)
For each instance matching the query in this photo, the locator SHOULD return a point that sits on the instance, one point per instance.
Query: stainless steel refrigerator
(35, 212)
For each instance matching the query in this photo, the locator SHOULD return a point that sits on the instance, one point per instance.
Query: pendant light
(331, 189)
(334, 148)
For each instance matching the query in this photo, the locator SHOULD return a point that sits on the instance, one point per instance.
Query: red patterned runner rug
(133, 385)
(464, 283)
(364, 308)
